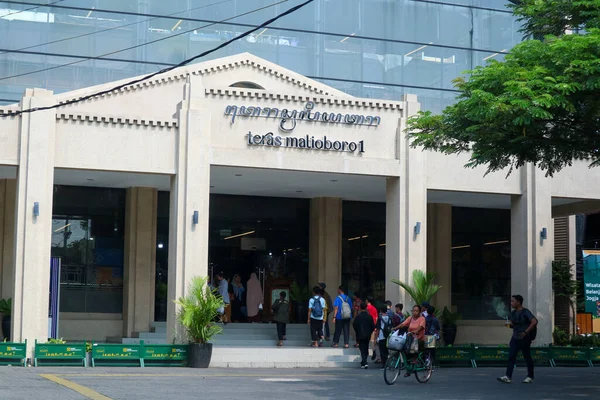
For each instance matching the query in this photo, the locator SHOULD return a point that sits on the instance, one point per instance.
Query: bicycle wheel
(424, 367)
(392, 368)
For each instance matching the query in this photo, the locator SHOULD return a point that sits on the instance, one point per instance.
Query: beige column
(35, 181)
(439, 251)
(531, 256)
(406, 212)
(8, 188)
(188, 239)
(140, 260)
(325, 249)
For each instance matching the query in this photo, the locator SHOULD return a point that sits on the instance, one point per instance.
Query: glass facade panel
(481, 262)
(363, 249)
(88, 234)
(396, 44)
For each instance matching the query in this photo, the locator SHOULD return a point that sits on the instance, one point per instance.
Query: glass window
(481, 262)
(363, 248)
(88, 234)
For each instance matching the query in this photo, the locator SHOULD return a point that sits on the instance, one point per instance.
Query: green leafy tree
(541, 105)
(423, 287)
(197, 311)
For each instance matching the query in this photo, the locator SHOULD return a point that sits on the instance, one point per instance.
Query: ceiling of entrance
(279, 183)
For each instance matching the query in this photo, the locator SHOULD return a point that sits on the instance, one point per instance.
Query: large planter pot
(199, 355)
(6, 322)
(449, 334)
(300, 311)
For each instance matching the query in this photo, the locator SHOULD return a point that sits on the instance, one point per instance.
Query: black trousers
(316, 329)
(363, 346)
(342, 325)
(383, 351)
(327, 331)
(516, 345)
(281, 330)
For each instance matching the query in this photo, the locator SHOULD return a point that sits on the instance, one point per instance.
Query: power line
(29, 9)
(110, 29)
(101, 57)
(165, 70)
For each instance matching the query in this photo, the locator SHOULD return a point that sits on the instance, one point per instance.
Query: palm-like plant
(422, 288)
(198, 309)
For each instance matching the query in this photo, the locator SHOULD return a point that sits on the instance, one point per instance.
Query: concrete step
(146, 341)
(283, 357)
(258, 343)
(151, 335)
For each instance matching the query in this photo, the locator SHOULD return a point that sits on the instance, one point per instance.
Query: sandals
(335, 345)
(345, 346)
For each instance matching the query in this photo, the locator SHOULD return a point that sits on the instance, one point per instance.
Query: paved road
(283, 384)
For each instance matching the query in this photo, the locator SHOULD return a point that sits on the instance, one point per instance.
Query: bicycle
(397, 361)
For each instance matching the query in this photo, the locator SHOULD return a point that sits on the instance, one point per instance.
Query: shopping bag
(430, 341)
(412, 344)
(396, 341)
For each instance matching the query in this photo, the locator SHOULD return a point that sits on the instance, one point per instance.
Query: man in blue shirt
(316, 312)
(342, 313)
(224, 293)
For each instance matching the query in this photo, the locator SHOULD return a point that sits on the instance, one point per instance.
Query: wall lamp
(195, 218)
(544, 234)
(418, 228)
(36, 209)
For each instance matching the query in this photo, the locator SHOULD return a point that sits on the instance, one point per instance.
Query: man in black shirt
(364, 327)
(524, 326)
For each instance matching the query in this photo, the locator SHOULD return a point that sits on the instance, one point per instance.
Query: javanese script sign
(288, 119)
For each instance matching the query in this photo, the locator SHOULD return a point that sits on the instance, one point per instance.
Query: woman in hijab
(254, 298)
(237, 299)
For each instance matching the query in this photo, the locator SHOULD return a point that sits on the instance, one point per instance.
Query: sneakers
(364, 367)
(504, 379)
(528, 380)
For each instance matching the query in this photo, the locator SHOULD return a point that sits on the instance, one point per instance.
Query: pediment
(158, 97)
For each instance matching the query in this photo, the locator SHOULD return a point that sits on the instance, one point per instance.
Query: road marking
(82, 390)
(281, 380)
(223, 375)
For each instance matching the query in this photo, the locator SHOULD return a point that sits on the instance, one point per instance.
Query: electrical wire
(111, 29)
(100, 57)
(165, 70)
(32, 8)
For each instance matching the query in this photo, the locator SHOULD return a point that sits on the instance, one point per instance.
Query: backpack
(387, 326)
(346, 310)
(317, 308)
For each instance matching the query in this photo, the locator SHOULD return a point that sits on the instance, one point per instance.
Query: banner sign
(591, 277)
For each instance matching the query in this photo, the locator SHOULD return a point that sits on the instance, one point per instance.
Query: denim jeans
(342, 325)
(516, 345)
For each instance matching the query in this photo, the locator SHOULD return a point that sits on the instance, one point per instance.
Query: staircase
(254, 346)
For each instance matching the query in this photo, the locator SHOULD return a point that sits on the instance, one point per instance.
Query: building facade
(251, 167)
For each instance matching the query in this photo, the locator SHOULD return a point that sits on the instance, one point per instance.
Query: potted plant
(6, 310)
(197, 311)
(449, 320)
(422, 289)
(299, 295)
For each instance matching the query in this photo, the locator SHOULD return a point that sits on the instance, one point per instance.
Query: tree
(541, 105)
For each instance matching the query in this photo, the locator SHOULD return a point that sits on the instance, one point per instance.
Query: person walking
(383, 329)
(524, 325)
(329, 306)
(363, 327)
(316, 311)
(342, 313)
(254, 298)
(375, 315)
(224, 293)
(281, 309)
